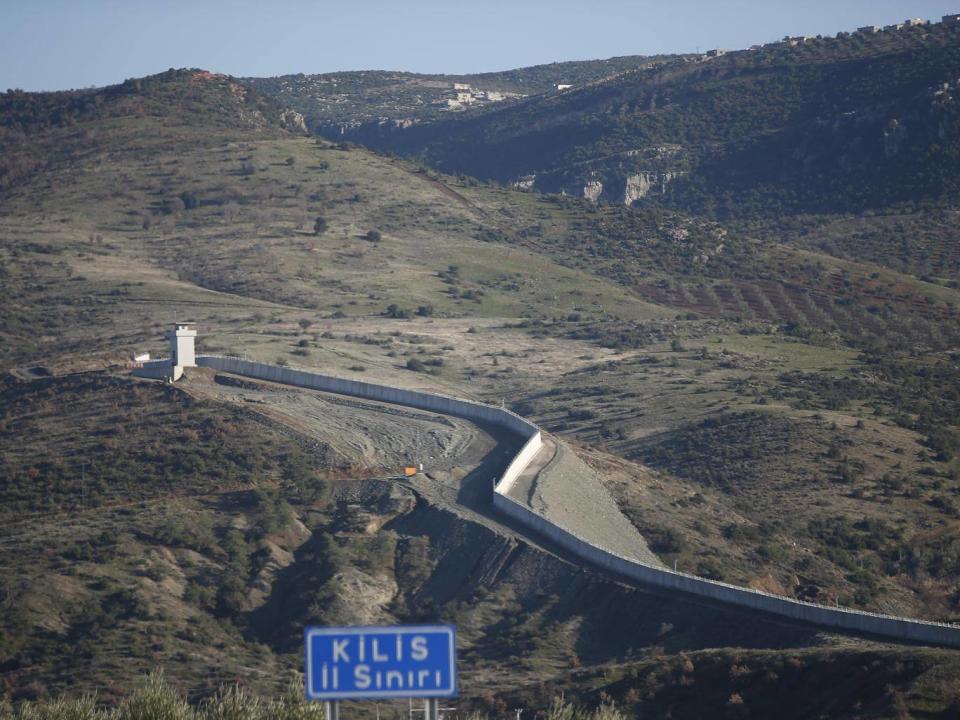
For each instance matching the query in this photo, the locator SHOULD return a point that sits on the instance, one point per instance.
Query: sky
(60, 44)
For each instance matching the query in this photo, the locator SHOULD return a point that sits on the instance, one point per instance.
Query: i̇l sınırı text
(369, 652)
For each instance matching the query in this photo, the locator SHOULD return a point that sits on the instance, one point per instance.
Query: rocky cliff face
(624, 177)
(592, 190)
(640, 185)
(293, 121)
(615, 184)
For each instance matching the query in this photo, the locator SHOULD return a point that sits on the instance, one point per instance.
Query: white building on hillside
(182, 350)
(182, 355)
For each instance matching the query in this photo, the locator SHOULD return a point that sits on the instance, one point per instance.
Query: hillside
(43, 132)
(763, 413)
(822, 125)
(367, 105)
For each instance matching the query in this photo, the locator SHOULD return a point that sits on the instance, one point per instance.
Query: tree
(373, 235)
(304, 324)
(173, 206)
(319, 225)
(189, 200)
(395, 311)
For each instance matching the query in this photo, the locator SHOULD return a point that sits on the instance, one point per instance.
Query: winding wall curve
(889, 626)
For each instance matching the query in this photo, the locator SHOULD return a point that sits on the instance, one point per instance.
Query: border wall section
(899, 628)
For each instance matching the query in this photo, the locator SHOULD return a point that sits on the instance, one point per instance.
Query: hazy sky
(56, 44)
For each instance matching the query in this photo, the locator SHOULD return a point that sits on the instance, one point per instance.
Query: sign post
(369, 663)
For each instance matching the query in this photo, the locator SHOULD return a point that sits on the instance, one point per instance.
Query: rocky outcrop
(592, 190)
(526, 182)
(640, 185)
(293, 121)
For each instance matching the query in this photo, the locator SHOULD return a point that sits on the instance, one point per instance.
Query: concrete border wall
(519, 463)
(158, 370)
(857, 620)
(843, 618)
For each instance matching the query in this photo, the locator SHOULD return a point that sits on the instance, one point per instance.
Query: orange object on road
(408, 471)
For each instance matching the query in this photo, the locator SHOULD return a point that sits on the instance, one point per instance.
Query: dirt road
(462, 460)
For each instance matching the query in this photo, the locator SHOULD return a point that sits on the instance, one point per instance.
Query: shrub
(189, 200)
(395, 311)
(156, 700)
(664, 540)
(232, 703)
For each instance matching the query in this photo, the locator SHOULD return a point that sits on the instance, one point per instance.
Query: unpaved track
(463, 482)
(462, 459)
(358, 432)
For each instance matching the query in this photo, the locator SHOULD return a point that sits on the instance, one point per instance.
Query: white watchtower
(182, 352)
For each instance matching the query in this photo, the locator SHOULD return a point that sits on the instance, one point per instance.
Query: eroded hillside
(716, 384)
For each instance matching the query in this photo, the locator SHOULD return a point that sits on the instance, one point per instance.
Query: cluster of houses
(948, 20)
(465, 95)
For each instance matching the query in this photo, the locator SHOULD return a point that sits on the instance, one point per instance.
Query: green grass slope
(714, 379)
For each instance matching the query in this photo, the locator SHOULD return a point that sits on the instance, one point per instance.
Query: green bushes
(236, 573)
(664, 540)
(156, 699)
(563, 709)
(395, 311)
(196, 535)
(126, 454)
(430, 365)
(275, 513)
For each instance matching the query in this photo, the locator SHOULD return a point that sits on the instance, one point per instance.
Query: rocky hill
(38, 131)
(763, 413)
(371, 105)
(844, 124)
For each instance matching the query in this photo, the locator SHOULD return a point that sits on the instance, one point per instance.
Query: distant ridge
(865, 120)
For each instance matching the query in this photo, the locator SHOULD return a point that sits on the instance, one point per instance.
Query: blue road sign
(358, 663)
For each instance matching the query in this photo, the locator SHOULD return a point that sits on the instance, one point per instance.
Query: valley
(764, 392)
